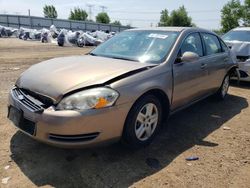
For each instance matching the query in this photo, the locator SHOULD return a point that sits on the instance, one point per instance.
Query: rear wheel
(222, 93)
(143, 122)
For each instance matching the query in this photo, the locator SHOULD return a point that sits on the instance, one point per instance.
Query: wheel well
(163, 98)
(233, 72)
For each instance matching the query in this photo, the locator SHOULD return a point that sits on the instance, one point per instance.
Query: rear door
(216, 57)
(189, 77)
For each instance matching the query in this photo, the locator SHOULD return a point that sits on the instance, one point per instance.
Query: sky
(137, 13)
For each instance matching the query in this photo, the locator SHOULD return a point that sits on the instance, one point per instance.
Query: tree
(49, 11)
(231, 14)
(177, 17)
(164, 18)
(78, 14)
(246, 13)
(103, 18)
(117, 23)
(180, 17)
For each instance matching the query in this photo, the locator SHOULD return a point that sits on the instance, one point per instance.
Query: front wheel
(223, 91)
(143, 122)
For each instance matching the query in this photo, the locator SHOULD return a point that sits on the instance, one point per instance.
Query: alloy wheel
(146, 121)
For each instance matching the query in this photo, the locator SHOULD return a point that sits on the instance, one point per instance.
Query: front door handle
(203, 65)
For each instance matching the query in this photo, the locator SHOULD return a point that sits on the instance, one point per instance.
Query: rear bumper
(72, 128)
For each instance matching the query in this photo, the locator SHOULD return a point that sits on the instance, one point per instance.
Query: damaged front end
(241, 52)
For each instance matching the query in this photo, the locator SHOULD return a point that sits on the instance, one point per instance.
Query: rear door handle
(203, 65)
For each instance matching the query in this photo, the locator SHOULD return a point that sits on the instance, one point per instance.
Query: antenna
(90, 6)
(103, 8)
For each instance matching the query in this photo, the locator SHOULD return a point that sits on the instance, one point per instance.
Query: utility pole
(103, 8)
(90, 10)
(29, 12)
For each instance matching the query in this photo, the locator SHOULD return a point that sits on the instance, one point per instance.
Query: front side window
(141, 46)
(192, 44)
(212, 44)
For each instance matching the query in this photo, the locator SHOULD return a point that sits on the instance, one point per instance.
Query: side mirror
(188, 57)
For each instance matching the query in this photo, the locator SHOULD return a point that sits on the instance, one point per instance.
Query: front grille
(27, 100)
(73, 138)
(242, 58)
(47, 102)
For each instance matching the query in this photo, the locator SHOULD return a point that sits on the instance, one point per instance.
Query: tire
(147, 127)
(223, 91)
(44, 40)
(80, 44)
(60, 44)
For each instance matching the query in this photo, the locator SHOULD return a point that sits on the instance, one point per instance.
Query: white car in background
(238, 40)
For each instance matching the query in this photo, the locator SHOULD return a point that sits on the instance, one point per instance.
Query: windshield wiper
(123, 58)
(114, 57)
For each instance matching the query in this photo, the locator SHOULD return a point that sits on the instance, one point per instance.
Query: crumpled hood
(239, 48)
(56, 77)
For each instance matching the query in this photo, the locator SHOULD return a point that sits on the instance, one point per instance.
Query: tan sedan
(123, 90)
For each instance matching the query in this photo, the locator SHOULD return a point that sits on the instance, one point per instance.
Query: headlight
(89, 99)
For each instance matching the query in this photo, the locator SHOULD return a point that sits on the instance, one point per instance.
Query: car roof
(178, 29)
(242, 29)
(174, 29)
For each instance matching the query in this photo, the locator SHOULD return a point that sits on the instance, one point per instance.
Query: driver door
(189, 77)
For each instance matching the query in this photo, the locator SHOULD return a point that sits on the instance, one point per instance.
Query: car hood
(239, 48)
(56, 77)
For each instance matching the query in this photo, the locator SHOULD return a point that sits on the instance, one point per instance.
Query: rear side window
(212, 44)
(192, 44)
(223, 46)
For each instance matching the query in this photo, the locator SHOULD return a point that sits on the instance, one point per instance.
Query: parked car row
(62, 37)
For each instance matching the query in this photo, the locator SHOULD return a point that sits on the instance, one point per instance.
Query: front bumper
(245, 67)
(244, 70)
(71, 128)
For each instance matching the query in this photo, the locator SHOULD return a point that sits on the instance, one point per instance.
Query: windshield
(243, 36)
(141, 46)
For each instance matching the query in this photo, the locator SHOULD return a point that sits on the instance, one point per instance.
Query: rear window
(243, 36)
(212, 44)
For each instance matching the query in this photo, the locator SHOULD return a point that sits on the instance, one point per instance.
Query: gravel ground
(217, 132)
